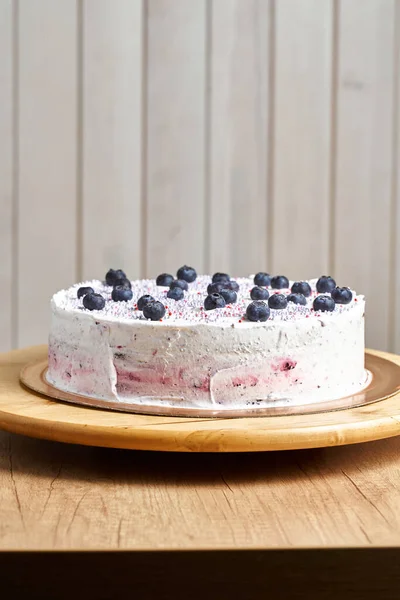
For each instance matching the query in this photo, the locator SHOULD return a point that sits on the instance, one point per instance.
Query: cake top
(242, 301)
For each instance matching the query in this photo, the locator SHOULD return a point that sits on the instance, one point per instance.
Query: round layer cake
(227, 345)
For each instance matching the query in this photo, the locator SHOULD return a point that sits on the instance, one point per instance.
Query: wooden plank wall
(229, 134)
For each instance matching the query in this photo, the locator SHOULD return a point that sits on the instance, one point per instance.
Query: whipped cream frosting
(207, 359)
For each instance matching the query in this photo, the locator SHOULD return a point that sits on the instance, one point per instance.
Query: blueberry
(324, 303)
(84, 290)
(277, 301)
(93, 301)
(112, 276)
(232, 285)
(143, 300)
(154, 310)
(230, 296)
(325, 284)
(259, 293)
(214, 301)
(215, 288)
(342, 295)
(175, 293)
(220, 277)
(123, 282)
(262, 279)
(297, 299)
(179, 283)
(165, 279)
(301, 287)
(121, 294)
(186, 273)
(279, 282)
(257, 311)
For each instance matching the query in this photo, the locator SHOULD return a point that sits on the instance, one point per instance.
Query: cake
(207, 342)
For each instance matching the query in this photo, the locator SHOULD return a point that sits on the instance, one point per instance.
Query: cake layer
(214, 358)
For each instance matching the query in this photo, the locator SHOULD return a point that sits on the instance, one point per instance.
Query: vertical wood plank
(394, 317)
(112, 130)
(176, 63)
(47, 160)
(239, 135)
(6, 172)
(302, 137)
(364, 157)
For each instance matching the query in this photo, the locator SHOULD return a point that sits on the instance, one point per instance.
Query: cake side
(194, 357)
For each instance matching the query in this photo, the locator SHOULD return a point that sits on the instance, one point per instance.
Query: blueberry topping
(342, 295)
(263, 279)
(123, 282)
(230, 296)
(143, 300)
(175, 293)
(215, 288)
(297, 299)
(279, 282)
(84, 290)
(214, 301)
(325, 284)
(220, 277)
(277, 301)
(232, 285)
(186, 273)
(257, 311)
(112, 276)
(301, 287)
(154, 310)
(259, 293)
(324, 303)
(165, 279)
(179, 283)
(94, 301)
(121, 294)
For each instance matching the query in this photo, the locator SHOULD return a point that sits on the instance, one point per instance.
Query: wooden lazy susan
(370, 415)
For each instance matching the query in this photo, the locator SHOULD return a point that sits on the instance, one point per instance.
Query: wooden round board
(26, 412)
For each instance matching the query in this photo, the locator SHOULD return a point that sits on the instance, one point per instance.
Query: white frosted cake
(237, 345)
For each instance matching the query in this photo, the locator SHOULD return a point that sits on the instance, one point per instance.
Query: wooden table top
(60, 496)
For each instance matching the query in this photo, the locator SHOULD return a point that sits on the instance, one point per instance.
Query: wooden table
(277, 511)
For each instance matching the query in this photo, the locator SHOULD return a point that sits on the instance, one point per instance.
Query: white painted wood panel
(302, 137)
(394, 323)
(112, 136)
(227, 134)
(175, 157)
(238, 135)
(47, 160)
(6, 175)
(362, 255)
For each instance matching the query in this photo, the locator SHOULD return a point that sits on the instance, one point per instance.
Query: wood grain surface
(60, 496)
